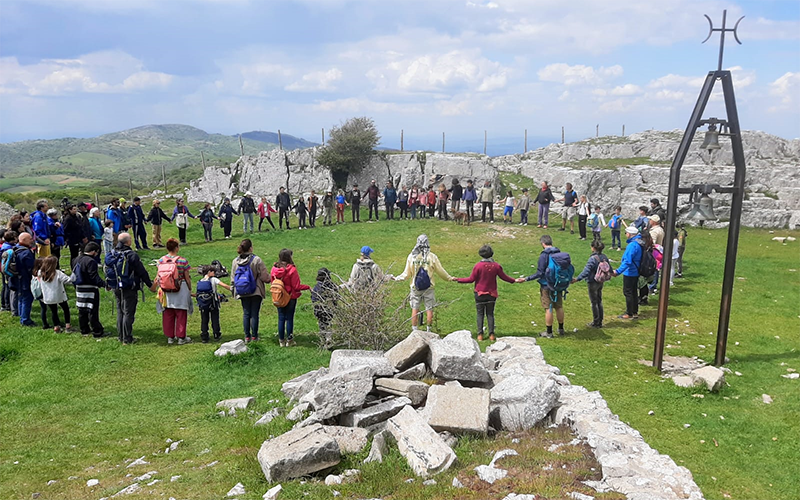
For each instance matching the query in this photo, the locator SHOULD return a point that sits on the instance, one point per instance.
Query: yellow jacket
(431, 264)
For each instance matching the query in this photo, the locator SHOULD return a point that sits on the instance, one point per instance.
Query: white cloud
(352, 105)
(578, 74)
(787, 89)
(456, 69)
(316, 81)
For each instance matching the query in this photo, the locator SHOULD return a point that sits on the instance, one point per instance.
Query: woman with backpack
(286, 289)
(596, 273)
(208, 301)
(248, 283)
(174, 293)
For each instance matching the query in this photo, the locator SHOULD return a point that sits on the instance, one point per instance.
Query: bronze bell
(711, 142)
(703, 209)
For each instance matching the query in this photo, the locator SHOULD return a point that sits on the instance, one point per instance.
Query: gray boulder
(519, 403)
(371, 415)
(379, 447)
(349, 439)
(411, 350)
(236, 403)
(411, 389)
(298, 387)
(337, 393)
(710, 376)
(297, 453)
(457, 357)
(416, 372)
(459, 410)
(426, 452)
(345, 359)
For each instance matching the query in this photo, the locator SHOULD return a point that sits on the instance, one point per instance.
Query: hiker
(648, 279)
(247, 207)
(570, 201)
(313, 206)
(524, 204)
(657, 209)
(389, 199)
(249, 276)
(286, 288)
(73, 232)
(207, 219)
(41, 229)
(123, 209)
(642, 223)
(52, 281)
(421, 265)
(125, 273)
(23, 260)
(265, 211)
(108, 236)
(365, 271)
(301, 210)
(456, 193)
(9, 242)
(284, 204)
(441, 206)
(372, 195)
(137, 220)
(615, 224)
(584, 209)
(414, 199)
(554, 273)
(484, 275)
(682, 234)
(157, 217)
(85, 225)
(57, 240)
(509, 203)
(341, 201)
(676, 255)
(656, 231)
(402, 202)
(544, 198)
(324, 296)
(328, 204)
(431, 201)
(629, 269)
(208, 301)
(487, 201)
(226, 213)
(354, 200)
(87, 290)
(97, 226)
(181, 216)
(174, 293)
(596, 221)
(596, 272)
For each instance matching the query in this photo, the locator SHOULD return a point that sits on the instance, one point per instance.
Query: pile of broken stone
(427, 390)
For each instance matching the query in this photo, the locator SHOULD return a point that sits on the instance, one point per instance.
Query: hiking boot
(217, 337)
(170, 341)
(57, 329)
(256, 339)
(282, 343)
(480, 337)
(546, 335)
(626, 316)
(247, 340)
(561, 332)
(572, 232)
(592, 325)
(491, 337)
(204, 341)
(563, 229)
(185, 340)
(291, 343)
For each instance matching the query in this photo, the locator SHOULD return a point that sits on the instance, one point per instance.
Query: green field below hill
(74, 406)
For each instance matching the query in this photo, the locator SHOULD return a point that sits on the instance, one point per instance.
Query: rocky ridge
(611, 170)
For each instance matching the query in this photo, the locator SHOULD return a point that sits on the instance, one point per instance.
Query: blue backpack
(558, 274)
(119, 274)
(243, 280)
(422, 281)
(9, 262)
(206, 298)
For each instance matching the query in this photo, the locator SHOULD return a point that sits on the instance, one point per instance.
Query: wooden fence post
(130, 187)
(401, 139)
(562, 134)
(241, 145)
(280, 141)
(442, 142)
(623, 130)
(484, 142)
(164, 177)
(597, 131)
(203, 156)
(526, 141)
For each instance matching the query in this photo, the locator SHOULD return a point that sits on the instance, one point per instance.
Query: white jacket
(53, 291)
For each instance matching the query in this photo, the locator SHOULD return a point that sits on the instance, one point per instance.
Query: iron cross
(722, 30)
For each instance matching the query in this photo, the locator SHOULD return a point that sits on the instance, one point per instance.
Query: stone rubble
(233, 347)
(238, 489)
(272, 493)
(340, 392)
(297, 453)
(426, 452)
(710, 376)
(459, 410)
(236, 403)
(411, 389)
(346, 359)
(457, 357)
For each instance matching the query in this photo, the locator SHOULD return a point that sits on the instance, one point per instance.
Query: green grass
(72, 406)
(514, 181)
(613, 163)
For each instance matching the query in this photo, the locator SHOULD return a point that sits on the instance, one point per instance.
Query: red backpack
(168, 278)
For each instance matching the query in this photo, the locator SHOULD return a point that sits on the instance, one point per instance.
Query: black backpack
(648, 264)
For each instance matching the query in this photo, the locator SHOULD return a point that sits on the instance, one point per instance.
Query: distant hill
(137, 154)
(289, 141)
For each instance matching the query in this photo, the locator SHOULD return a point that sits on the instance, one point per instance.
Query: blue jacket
(97, 228)
(469, 194)
(541, 266)
(56, 233)
(591, 267)
(115, 215)
(390, 196)
(25, 261)
(631, 258)
(184, 209)
(642, 223)
(40, 225)
(136, 216)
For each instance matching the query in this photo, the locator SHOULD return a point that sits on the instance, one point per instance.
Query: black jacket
(139, 273)
(283, 201)
(89, 274)
(157, 216)
(73, 231)
(544, 197)
(247, 206)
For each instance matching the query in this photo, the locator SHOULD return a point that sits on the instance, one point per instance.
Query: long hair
(648, 240)
(48, 268)
(285, 257)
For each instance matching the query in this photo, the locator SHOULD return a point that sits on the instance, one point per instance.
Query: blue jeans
(616, 242)
(286, 320)
(248, 219)
(251, 306)
(523, 216)
(25, 300)
(654, 285)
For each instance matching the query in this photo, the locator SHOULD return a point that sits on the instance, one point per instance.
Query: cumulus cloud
(787, 89)
(316, 81)
(578, 74)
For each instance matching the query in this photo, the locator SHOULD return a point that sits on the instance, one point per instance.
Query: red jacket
(290, 278)
(431, 197)
(484, 275)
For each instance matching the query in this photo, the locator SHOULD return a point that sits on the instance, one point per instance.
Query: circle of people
(32, 244)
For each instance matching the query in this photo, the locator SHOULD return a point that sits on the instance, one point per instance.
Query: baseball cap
(366, 250)
(655, 218)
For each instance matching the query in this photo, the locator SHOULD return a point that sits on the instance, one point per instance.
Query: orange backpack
(280, 297)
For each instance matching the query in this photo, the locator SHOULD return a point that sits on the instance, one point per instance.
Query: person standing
(207, 219)
(402, 202)
(97, 226)
(546, 298)
(86, 225)
(57, 240)
(249, 274)
(301, 210)
(284, 204)
(570, 201)
(226, 213)
(265, 211)
(208, 302)
(355, 203)
(389, 199)
(328, 204)
(421, 265)
(615, 224)
(157, 217)
(657, 209)
(313, 207)
(595, 287)
(431, 201)
(137, 220)
(656, 231)
(181, 216)
(372, 195)
(596, 222)
(456, 192)
(41, 228)
(487, 201)
(175, 293)
(444, 196)
(544, 198)
(584, 211)
(126, 221)
(341, 201)
(21, 282)
(413, 200)
(9, 242)
(247, 207)
(126, 275)
(285, 271)
(114, 214)
(484, 275)
(365, 271)
(629, 269)
(509, 203)
(73, 232)
(87, 290)
(470, 196)
(524, 204)
(52, 281)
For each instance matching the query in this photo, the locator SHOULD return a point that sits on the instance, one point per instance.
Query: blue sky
(86, 67)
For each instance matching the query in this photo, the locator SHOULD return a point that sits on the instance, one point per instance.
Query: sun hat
(248, 193)
(631, 230)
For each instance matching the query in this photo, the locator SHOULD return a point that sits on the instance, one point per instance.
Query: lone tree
(349, 147)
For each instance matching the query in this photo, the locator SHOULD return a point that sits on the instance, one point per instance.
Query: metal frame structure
(731, 123)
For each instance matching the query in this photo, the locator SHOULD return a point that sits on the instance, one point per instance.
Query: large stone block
(711, 376)
(457, 357)
(298, 387)
(458, 409)
(345, 359)
(409, 351)
(519, 403)
(297, 453)
(349, 439)
(411, 389)
(337, 393)
(425, 451)
(416, 372)
(366, 417)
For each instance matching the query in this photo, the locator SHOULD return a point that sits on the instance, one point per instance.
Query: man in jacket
(372, 194)
(137, 220)
(73, 232)
(157, 217)
(247, 207)
(86, 226)
(313, 207)
(629, 269)
(128, 298)
(657, 209)
(87, 290)
(389, 199)
(328, 202)
(284, 204)
(355, 203)
(544, 292)
(421, 257)
(456, 193)
(114, 213)
(21, 283)
(570, 201)
(487, 201)
(39, 223)
(470, 196)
